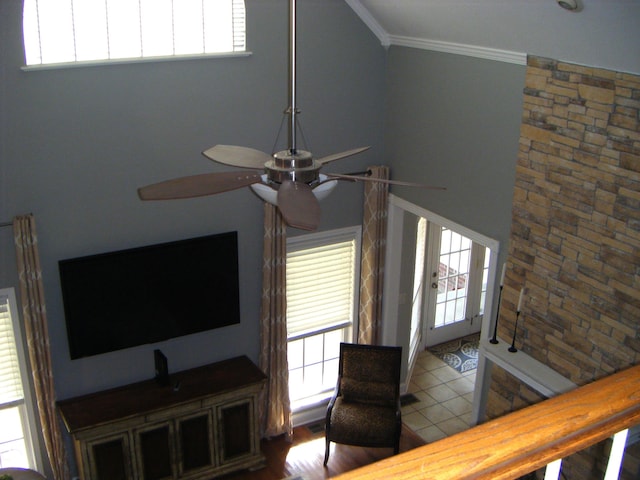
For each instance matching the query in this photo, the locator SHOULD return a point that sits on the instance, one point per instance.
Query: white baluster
(553, 470)
(615, 456)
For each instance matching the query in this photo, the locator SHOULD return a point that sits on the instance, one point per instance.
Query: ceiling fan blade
(357, 178)
(298, 205)
(235, 156)
(198, 185)
(338, 156)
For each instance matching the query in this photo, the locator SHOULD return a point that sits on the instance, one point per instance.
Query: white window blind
(69, 31)
(321, 284)
(10, 380)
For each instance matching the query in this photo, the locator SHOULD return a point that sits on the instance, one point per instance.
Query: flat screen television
(144, 295)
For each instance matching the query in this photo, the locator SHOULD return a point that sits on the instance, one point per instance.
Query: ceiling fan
(290, 179)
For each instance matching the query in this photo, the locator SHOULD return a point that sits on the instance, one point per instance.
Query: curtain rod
(6, 224)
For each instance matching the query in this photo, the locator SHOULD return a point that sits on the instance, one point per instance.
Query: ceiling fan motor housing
(298, 166)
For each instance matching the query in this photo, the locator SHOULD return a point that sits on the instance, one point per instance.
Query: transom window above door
(90, 31)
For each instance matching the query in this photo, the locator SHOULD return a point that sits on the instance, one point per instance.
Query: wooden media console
(203, 424)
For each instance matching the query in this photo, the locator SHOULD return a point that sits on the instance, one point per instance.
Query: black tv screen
(144, 295)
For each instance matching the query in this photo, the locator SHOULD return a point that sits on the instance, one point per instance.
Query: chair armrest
(334, 397)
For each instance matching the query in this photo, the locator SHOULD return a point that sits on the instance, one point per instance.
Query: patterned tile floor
(445, 399)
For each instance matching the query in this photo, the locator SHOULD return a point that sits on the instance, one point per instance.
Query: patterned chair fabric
(365, 408)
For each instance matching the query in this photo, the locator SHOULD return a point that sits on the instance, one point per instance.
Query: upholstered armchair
(365, 408)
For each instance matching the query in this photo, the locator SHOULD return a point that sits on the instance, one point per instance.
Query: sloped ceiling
(602, 33)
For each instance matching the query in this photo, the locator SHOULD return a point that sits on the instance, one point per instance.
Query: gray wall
(76, 144)
(454, 121)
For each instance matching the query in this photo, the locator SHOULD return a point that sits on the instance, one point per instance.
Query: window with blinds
(71, 31)
(322, 286)
(10, 379)
(16, 448)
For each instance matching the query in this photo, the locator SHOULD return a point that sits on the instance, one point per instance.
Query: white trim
(391, 290)
(533, 373)
(490, 243)
(506, 56)
(386, 40)
(370, 22)
(135, 60)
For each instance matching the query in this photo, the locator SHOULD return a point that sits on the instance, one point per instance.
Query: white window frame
(303, 408)
(25, 406)
(88, 45)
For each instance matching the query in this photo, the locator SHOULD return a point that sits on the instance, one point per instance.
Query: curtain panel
(275, 405)
(35, 320)
(374, 240)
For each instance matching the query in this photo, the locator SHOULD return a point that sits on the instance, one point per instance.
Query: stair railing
(521, 442)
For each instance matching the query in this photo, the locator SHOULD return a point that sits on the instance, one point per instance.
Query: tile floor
(445, 399)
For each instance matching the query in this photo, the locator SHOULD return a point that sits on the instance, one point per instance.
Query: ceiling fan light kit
(289, 179)
(267, 193)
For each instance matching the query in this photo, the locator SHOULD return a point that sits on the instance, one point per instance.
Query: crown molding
(461, 49)
(370, 22)
(446, 47)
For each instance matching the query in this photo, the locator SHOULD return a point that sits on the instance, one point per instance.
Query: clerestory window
(76, 31)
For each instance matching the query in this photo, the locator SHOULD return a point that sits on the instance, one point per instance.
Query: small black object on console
(162, 368)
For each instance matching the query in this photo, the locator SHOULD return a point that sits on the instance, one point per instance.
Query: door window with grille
(322, 279)
(459, 271)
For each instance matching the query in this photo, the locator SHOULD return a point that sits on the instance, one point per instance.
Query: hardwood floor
(304, 456)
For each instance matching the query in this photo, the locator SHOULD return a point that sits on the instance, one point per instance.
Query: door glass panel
(485, 283)
(453, 278)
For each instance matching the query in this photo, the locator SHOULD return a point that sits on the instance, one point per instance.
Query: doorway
(438, 279)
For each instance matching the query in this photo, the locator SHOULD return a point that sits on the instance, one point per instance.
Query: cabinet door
(235, 422)
(108, 458)
(195, 442)
(154, 450)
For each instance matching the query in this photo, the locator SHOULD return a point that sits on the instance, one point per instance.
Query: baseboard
(309, 415)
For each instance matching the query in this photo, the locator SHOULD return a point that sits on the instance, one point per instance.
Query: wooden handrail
(523, 441)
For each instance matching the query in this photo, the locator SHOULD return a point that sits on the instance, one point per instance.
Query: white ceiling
(604, 33)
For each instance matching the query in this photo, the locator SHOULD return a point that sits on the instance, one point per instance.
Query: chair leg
(326, 452)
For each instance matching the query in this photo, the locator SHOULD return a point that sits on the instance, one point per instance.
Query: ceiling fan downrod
(293, 164)
(293, 110)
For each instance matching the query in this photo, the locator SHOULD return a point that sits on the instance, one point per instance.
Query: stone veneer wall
(575, 237)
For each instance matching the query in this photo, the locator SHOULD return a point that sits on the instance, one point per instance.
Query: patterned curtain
(35, 319)
(374, 239)
(275, 405)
